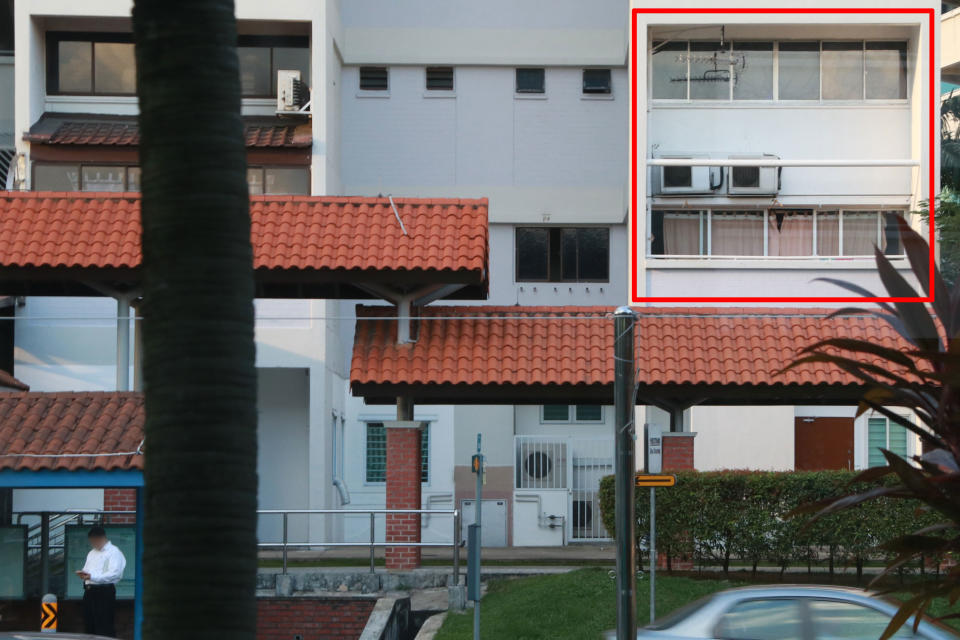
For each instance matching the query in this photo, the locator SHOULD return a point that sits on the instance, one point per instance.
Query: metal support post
(372, 547)
(653, 553)
(624, 320)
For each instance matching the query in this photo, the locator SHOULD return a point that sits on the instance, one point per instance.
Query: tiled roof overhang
(7, 381)
(532, 355)
(71, 431)
(122, 131)
(304, 246)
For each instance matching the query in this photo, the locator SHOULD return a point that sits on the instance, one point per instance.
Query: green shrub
(740, 515)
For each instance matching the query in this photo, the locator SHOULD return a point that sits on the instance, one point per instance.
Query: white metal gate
(573, 463)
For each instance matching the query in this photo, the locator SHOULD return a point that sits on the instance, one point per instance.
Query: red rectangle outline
(634, 258)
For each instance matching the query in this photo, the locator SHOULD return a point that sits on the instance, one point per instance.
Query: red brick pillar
(120, 500)
(678, 450)
(677, 456)
(403, 492)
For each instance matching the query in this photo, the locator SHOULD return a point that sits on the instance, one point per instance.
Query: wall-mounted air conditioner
(292, 94)
(753, 181)
(685, 180)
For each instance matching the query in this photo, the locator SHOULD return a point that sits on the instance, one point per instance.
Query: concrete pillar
(403, 487)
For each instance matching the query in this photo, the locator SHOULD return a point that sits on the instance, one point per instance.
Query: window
(580, 413)
(530, 81)
(376, 453)
(799, 70)
(596, 81)
(736, 233)
(774, 619)
(755, 80)
(278, 181)
(884, 434)
(6, 26)
(773, 232)
(833, 620)
(439, 78)
(842, 68)
(374, 79)
(85, 177)
(836, 70)
(669, 70)
(675, 177)
(709, 77)
(90, 64)
(886, 70)
(262, 56)
(563, 254)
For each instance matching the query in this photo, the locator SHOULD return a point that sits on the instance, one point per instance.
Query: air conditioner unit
(542, 465)
(685, 180)
(292, 93)
(753, 181)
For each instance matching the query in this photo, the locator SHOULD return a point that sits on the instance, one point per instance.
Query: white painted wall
(742, 438)
(283, 460)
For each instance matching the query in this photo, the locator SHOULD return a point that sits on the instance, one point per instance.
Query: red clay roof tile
(524, 346)
(101, 230)
(71, 431)
(9, 382)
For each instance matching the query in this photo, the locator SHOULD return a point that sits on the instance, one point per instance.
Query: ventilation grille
(7, 156)
(373, 78)
(440, 78)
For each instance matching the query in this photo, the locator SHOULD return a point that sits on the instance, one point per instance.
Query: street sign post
(475, 532)
(654, 447)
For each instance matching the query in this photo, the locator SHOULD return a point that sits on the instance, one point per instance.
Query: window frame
(361, 90)
(805, 621)
(571, 414)
(595, 94)
(550, 255)
(706, 231)
(433, 91)
(263, 175)
(529, 93)
(271, 43)
(52, 71)
(425, 451)
(776, 100)
(907, 448)
(80, 166)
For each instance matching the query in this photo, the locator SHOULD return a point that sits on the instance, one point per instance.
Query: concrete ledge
(389, 620)
(431, 627)
(273, 583)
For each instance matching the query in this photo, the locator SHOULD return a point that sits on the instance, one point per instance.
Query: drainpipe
(123, 343)
(403, 324)
(137, 349)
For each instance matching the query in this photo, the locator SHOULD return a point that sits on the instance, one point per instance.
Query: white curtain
(859, 233)
(681, 234)
(790, 233)
(736, 233)
(828, 233)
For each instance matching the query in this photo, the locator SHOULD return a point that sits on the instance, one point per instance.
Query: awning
(76, 431)
(55, 243)
(122, 131)
(534, 355)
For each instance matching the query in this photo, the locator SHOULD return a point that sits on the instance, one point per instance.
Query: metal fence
(372, 543)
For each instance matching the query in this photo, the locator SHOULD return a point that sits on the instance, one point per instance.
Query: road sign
(654, 461)
(48, 614)
(647, 480)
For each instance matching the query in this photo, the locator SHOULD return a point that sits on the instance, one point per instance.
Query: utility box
(494, 520)
(473, 562)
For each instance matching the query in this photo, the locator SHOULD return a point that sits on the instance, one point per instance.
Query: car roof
(800, 589)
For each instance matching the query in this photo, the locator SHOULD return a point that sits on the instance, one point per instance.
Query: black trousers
(99, 601)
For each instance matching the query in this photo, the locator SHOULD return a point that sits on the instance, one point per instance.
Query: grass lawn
(578, 605)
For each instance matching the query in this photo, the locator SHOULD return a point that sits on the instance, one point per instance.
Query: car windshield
(678, 616)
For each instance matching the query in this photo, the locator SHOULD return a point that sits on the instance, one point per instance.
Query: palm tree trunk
(198, 350)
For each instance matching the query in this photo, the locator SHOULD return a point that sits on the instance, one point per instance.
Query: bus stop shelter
(80, 440)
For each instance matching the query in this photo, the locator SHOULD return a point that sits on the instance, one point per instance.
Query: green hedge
(716, 517)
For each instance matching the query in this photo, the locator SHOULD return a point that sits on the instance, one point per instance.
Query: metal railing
(284, 545)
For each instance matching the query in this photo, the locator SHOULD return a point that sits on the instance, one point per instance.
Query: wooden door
(823, 443)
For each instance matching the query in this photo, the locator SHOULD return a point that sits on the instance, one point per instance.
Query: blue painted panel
(10, 478)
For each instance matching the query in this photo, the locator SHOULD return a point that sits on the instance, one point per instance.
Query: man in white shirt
(100, 575)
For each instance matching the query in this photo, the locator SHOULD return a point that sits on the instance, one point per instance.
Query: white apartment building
(527, 104)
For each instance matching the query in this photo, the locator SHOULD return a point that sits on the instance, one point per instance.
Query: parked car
(786, 613)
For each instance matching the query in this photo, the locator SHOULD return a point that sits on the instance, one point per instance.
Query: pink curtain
(828, 233)
(790, 233)
(681, 234)
(736, 233)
